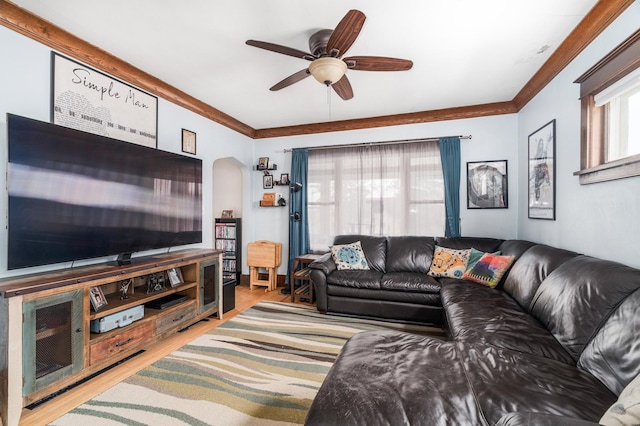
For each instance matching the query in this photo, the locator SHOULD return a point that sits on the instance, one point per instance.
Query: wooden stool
(267, 255)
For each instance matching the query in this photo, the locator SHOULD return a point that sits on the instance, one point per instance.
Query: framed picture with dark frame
(188, 141)
(267, 181)
(542, 172)
(487, 185)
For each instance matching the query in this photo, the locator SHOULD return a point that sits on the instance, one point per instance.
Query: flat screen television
(75, 195)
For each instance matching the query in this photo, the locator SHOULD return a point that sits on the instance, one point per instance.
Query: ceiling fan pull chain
(329, 99)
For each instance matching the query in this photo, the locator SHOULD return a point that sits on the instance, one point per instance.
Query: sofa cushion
(488, 245)
(430, 299)
(448, 262)
(409, 254)
(489, 269)
(394, 378)
(476, 313)
(505, 381)
(612, 355)
(410, 281)
(349, 256)
(576, 299)
(356, 279)
(375, 248)
(531, 269)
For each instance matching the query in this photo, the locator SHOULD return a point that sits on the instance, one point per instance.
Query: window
(610, 97)
(375, 190)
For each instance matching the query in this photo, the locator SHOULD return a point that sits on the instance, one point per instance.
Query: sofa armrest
(324, 263)
(538, 419)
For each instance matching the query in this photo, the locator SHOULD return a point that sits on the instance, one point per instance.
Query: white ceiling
(465, 52)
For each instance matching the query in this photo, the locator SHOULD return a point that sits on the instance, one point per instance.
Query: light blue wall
(25, 79)
(599, 219)
(596, 219)
(494, 138)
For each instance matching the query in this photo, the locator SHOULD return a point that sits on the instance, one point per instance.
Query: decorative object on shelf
(124, 288)
(155, 282)
(280, 200)
(188, 141)
(227, 214)
(267, 181)
(284, 179)
(487, 185)
(268, 199)
(263, 163)
(175, 277)
(542, 172)
(98, 299)
(110, 107)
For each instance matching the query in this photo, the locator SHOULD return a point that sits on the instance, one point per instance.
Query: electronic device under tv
(75, 195)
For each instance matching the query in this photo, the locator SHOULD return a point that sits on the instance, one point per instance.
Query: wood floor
(58, 406)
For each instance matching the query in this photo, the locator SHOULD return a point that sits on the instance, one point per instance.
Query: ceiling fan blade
(346, 32)
(377, 63)
(289, 51)
(293, 78)
(343, 88)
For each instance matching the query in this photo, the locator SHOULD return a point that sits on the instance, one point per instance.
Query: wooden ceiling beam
(29, 25)
(36, 28)
(599, 17)
(457, 113)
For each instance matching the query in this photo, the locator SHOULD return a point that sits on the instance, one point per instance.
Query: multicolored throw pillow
(476, 255)
(449, 262)
(349, 256)
(489, 269)
(626, 410)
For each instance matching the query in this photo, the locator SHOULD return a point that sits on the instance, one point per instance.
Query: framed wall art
(542, 172)
(188, 141)
(487, 186)
(86, 99)
(267, 181)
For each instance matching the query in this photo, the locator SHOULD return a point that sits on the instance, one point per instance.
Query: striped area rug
(262, 367)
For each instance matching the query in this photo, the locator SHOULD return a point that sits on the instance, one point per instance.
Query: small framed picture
(227, 214)
(175, 277)
(284, 179)
(267, 181)
(188, 141)
(263, 163)
(98, 299)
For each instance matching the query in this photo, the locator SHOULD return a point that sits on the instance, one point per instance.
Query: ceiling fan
(327, 48)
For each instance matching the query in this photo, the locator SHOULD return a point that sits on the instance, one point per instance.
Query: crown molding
(34, 27)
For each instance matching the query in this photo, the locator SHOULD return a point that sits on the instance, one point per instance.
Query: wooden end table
(303, 274)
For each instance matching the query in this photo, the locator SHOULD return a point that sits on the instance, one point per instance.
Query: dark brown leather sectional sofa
(554, 343)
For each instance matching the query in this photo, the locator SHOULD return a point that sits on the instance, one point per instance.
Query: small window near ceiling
(622, 117)
(610, 99)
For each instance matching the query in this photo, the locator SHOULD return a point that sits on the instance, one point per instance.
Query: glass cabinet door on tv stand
(229, 239)
(52, 339)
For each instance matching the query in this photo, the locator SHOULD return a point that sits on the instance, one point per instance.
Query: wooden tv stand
(46, 342)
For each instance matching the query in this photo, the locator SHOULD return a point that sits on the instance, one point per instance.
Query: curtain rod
(397, 142)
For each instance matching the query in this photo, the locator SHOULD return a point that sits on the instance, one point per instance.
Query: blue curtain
(299, 242)
(450, 157)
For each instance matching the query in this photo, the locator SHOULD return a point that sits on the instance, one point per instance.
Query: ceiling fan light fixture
(328, 70)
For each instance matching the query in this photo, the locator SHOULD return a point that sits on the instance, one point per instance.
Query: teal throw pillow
(349, 256)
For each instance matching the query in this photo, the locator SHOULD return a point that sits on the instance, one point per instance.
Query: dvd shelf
(228, 239)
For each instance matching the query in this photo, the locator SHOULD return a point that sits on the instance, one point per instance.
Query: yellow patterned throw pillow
(449, 262)
(349, 256)
(489, 269)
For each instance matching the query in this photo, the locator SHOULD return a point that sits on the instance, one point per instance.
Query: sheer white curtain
(394, 189)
